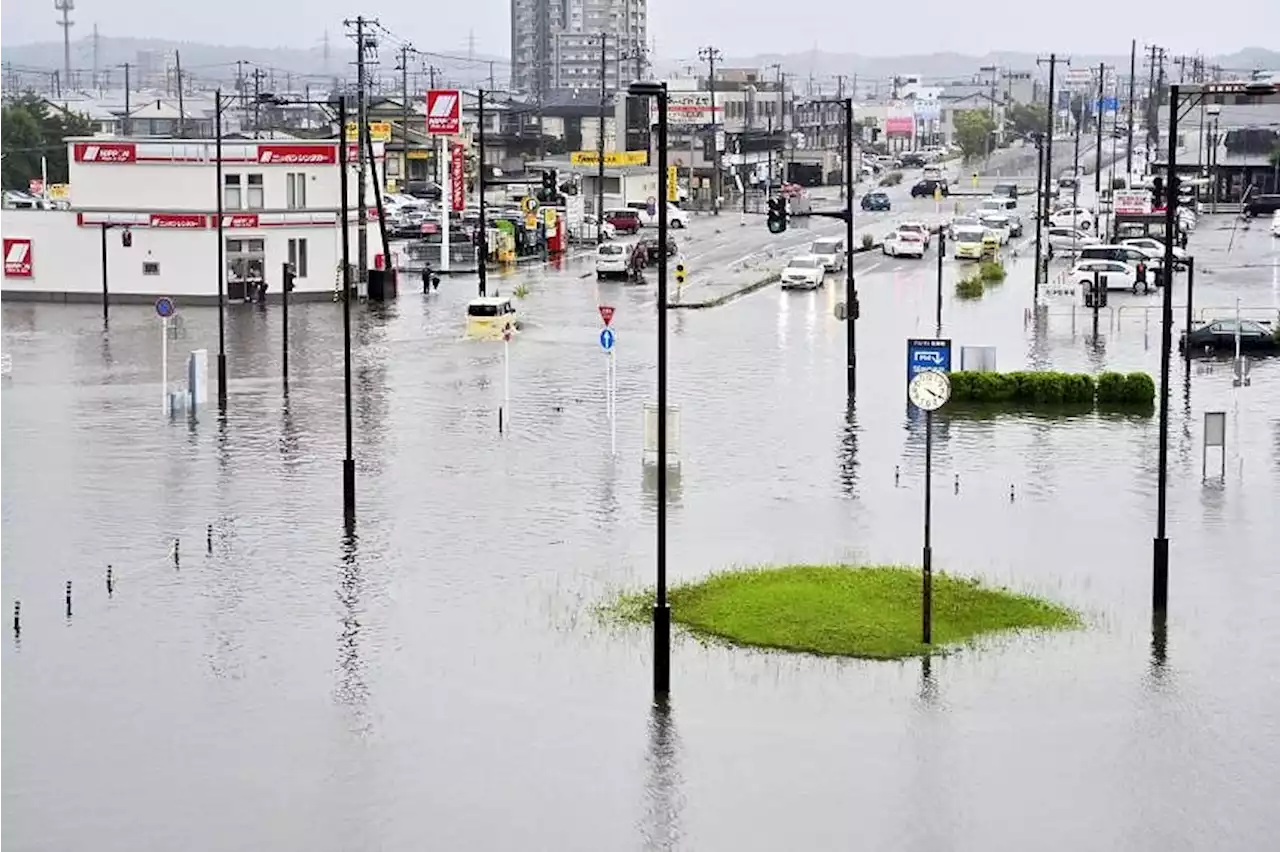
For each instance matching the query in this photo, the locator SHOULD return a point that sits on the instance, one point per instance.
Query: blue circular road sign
(164, 307)
(606, 339)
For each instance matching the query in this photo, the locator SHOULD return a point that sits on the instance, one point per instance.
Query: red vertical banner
(457, 186)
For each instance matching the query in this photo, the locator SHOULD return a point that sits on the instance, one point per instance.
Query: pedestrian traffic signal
(126, 238)
(1157, 192)
(289, 275)
(777, 215)
(680, 273)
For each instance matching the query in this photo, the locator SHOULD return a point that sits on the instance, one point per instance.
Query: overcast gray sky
(742, 27)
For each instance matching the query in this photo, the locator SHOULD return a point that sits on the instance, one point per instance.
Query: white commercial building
(144, 221)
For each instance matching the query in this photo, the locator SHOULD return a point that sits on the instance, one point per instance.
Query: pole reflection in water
(664, 796)
(351, 689)
(930, 730)
(289, 443)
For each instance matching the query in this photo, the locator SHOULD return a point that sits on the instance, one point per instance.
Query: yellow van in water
(488, 316)
(968, 240)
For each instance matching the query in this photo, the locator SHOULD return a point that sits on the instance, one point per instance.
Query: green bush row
(1048, 387)
(969, 287)
(991, 271)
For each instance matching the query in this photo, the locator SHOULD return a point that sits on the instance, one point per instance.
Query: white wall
(66, 259)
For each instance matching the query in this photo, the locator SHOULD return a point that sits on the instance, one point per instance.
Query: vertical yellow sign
(673, 188)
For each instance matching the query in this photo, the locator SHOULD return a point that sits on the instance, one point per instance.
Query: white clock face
(929, 390)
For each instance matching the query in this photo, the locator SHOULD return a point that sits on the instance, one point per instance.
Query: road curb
(758, 284)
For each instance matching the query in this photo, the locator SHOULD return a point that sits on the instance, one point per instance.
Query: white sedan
(1072, 217)
(804, 272)
(904, 244)
(1070, 240)
(1115, 274)
(1154, 248)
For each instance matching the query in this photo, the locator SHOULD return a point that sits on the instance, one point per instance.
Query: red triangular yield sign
(606, 313)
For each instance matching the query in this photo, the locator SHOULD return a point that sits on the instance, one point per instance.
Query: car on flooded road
(1220, 336)
(803, 272)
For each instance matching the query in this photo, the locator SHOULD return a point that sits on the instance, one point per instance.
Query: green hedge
(991, 272)
(969, 288)
(1050, 388)
(891, 179)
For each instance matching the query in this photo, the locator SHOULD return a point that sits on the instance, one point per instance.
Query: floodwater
(439, 679)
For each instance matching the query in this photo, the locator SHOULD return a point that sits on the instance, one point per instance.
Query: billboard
(687, 108)
(297, 155)
(444, 111)
(457, 178)
(611, 158)
(105, 152)
(379, 131)
(17, 257)
(900, 125)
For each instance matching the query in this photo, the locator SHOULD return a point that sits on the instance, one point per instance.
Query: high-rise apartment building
(555, 44)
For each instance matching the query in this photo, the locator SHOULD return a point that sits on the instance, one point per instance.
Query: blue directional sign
(164, 307)
(606, 339)
(927, 354)
(1108, 105)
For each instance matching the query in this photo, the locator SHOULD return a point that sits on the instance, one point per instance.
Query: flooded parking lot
(441, 678)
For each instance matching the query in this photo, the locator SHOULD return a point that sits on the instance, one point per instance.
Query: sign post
(607, 339)
(164, 310)
(506, 374)
(928, 389)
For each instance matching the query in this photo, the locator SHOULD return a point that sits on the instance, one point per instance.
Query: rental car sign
(444, 111)
(17, 257)
(105, 152)
(297, 155)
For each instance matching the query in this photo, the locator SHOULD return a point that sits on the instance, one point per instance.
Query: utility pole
(1042, 209)
(405, 49)
(711, 55)
(66, 7)
(1097, 153)
(182, 111)
(1155, 112)
(96, 57)
(240, 92)
(258, 74)
(364, 44)
(126, 123)
(1133, 72)
(600, 148)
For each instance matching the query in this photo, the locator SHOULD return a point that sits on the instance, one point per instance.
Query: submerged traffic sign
(164, 307)
(606, 339)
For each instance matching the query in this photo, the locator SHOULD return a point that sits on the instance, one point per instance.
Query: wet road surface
(441, 679)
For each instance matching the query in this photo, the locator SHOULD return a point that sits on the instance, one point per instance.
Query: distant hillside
(218, 62)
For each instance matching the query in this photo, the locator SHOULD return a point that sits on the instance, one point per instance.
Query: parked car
(803, 272)
(902, 243)
(1259, 205)
(1154, 249)
(1115, 274)
(588, 230)
(1131, 255)
(1220, 336)
(1006, 190)
(1070, 240)
(676, 218)
(876, 201)
(829, 250)
(1072, 217)
(612, 260)
(926, 188)
(624, 220)
(651, 248)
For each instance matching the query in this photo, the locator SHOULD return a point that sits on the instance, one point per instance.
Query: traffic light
(1157, 192)
(126, 238)
(289, 275)
(680, 273)
(547, 194)
(777, 215)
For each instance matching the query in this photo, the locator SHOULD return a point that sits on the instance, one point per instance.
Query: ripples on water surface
(440, 679)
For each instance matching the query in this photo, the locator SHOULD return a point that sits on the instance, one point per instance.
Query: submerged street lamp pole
(222, 262)
(661, 609)
(348, 461)
(850, 283)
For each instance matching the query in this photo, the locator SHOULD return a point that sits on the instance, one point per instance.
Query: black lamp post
(339, 104)
(222, 262)
(661, 610)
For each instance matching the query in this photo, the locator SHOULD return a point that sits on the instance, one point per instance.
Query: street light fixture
(661, 610)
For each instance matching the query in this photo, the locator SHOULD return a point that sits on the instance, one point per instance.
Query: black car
(1260, 205)
(651, 247)
(1220, 336)
(911, 160)
(875, 201)
(926, 188)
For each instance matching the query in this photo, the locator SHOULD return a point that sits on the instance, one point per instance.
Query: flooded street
(441, 679)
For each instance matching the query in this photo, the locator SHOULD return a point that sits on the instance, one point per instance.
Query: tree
(31, 128)
(1025, 119)
(973, 132)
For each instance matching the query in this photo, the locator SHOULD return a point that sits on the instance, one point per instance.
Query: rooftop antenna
(66, 7)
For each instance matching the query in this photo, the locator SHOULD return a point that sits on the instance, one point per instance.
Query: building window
(150, 267)
(231, 192)
(295, 184)
(246, 260)
(254, 197)
(298, 257)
